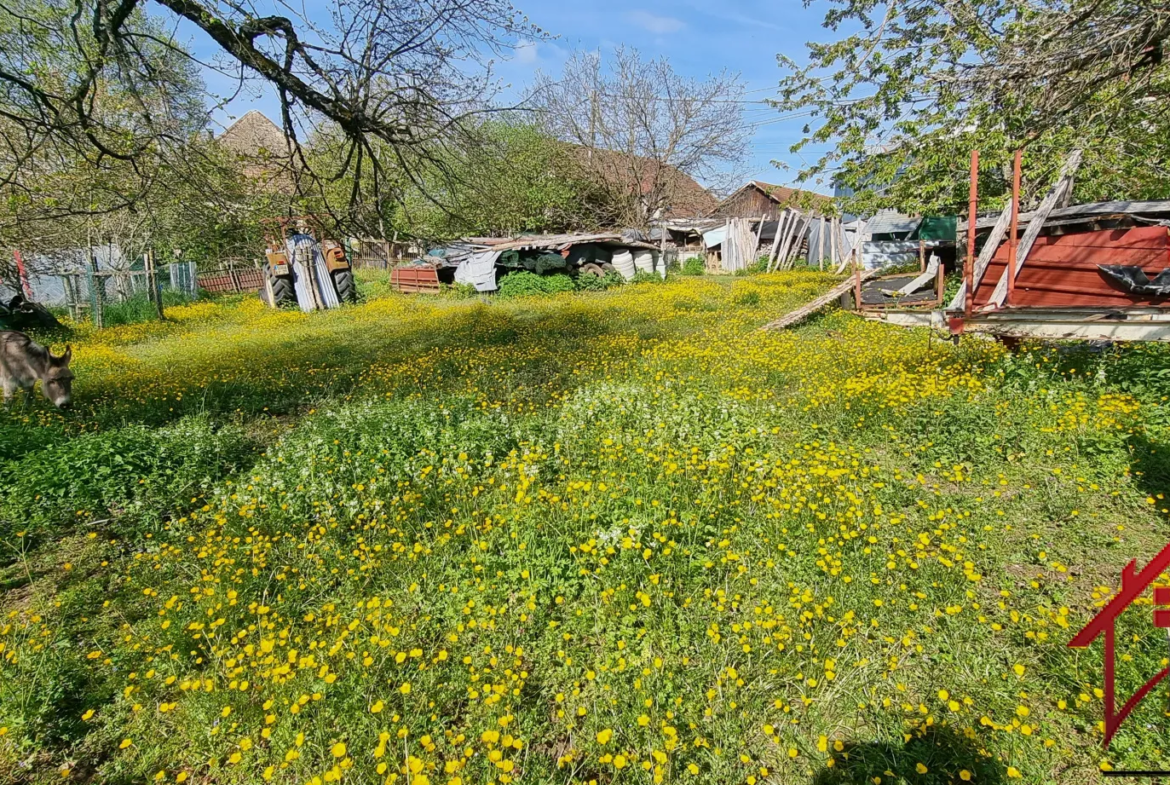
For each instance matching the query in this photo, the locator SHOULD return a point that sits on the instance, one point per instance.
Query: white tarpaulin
(715, 237)
(479, 270)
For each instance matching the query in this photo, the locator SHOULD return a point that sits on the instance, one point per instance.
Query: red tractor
(304, 268)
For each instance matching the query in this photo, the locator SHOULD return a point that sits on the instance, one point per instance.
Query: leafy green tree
(906, 89)
(510, 178)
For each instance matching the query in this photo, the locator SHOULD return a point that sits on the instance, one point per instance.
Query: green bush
(591, 283)
(525, 284)
(555, 284)
(461, 291)
(133, 474)
(645, 277)
(755, 268)
(696, 265)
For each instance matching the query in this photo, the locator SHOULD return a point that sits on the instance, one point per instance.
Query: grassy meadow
(613, 537)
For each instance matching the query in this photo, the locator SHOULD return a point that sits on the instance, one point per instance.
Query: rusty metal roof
(557, 242)
(1088, 212)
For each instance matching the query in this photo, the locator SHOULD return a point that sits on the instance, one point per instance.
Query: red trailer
(1066, 271)
(1095, 272)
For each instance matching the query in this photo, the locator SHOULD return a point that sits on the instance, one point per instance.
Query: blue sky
(698, 38)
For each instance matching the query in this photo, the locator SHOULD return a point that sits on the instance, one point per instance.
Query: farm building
(263, 150)
(756, 199)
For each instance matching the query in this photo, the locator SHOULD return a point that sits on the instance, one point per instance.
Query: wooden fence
(232, 278)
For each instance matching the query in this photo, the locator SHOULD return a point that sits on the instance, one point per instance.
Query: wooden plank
(1063, 186)
(796, 241)
(780, 227)
(796, 218)
(998, 232)
(922, 280)
(805, 311)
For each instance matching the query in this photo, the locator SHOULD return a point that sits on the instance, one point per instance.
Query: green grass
(139, 308)
(599, 537)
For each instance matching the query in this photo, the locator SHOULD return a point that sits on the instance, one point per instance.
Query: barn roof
(782, 195)
(685, 197)
(255, 136)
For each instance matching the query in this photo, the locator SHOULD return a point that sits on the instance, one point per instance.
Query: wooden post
(1013, 239)
(97, 298)
(662, 248)
(821, 243)
(725, 247)
(153, 291)
(833, 250)
(972, 202)
(921, 256)
(939, 282)
(856, 284)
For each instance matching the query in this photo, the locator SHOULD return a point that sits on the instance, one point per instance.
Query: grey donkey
(23, 361)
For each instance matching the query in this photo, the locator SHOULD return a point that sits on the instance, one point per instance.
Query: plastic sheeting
(1133, 279)
(715, 237)
(479, 270)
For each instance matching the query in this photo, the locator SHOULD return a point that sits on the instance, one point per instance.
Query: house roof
(782, 194)
(685, 197)
(255, 136)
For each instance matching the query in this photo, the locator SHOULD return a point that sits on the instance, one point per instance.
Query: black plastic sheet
(1134, 280)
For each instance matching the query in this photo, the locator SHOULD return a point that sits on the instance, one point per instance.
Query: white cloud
(654, 23)
(526, 52)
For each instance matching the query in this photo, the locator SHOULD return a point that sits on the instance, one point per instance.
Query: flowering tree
(908, 87)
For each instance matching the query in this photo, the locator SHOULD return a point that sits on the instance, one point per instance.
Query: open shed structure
(486, 259)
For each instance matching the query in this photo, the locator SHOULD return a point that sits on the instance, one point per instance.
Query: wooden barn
(758, 199)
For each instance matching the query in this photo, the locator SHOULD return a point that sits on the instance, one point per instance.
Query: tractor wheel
(280, 286)
(593, 269)
(346, 289)
(606, 267)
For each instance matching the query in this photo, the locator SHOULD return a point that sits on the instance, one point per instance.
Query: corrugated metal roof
(891, 222)
(559, 242)
(1092, 210)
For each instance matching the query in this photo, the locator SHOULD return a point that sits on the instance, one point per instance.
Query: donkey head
(57, 383)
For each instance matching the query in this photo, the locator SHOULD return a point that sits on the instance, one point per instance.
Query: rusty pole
(1013, 239)
(971, 203)
(23, 275)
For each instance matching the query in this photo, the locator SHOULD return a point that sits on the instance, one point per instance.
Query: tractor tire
(593, 269)
(346, 288)
(281, 287)
(606, 267)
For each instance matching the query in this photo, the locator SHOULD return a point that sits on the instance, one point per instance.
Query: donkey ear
(65, 358)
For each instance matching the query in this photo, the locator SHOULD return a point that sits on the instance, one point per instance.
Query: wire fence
(81, 290)
(86, 283)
